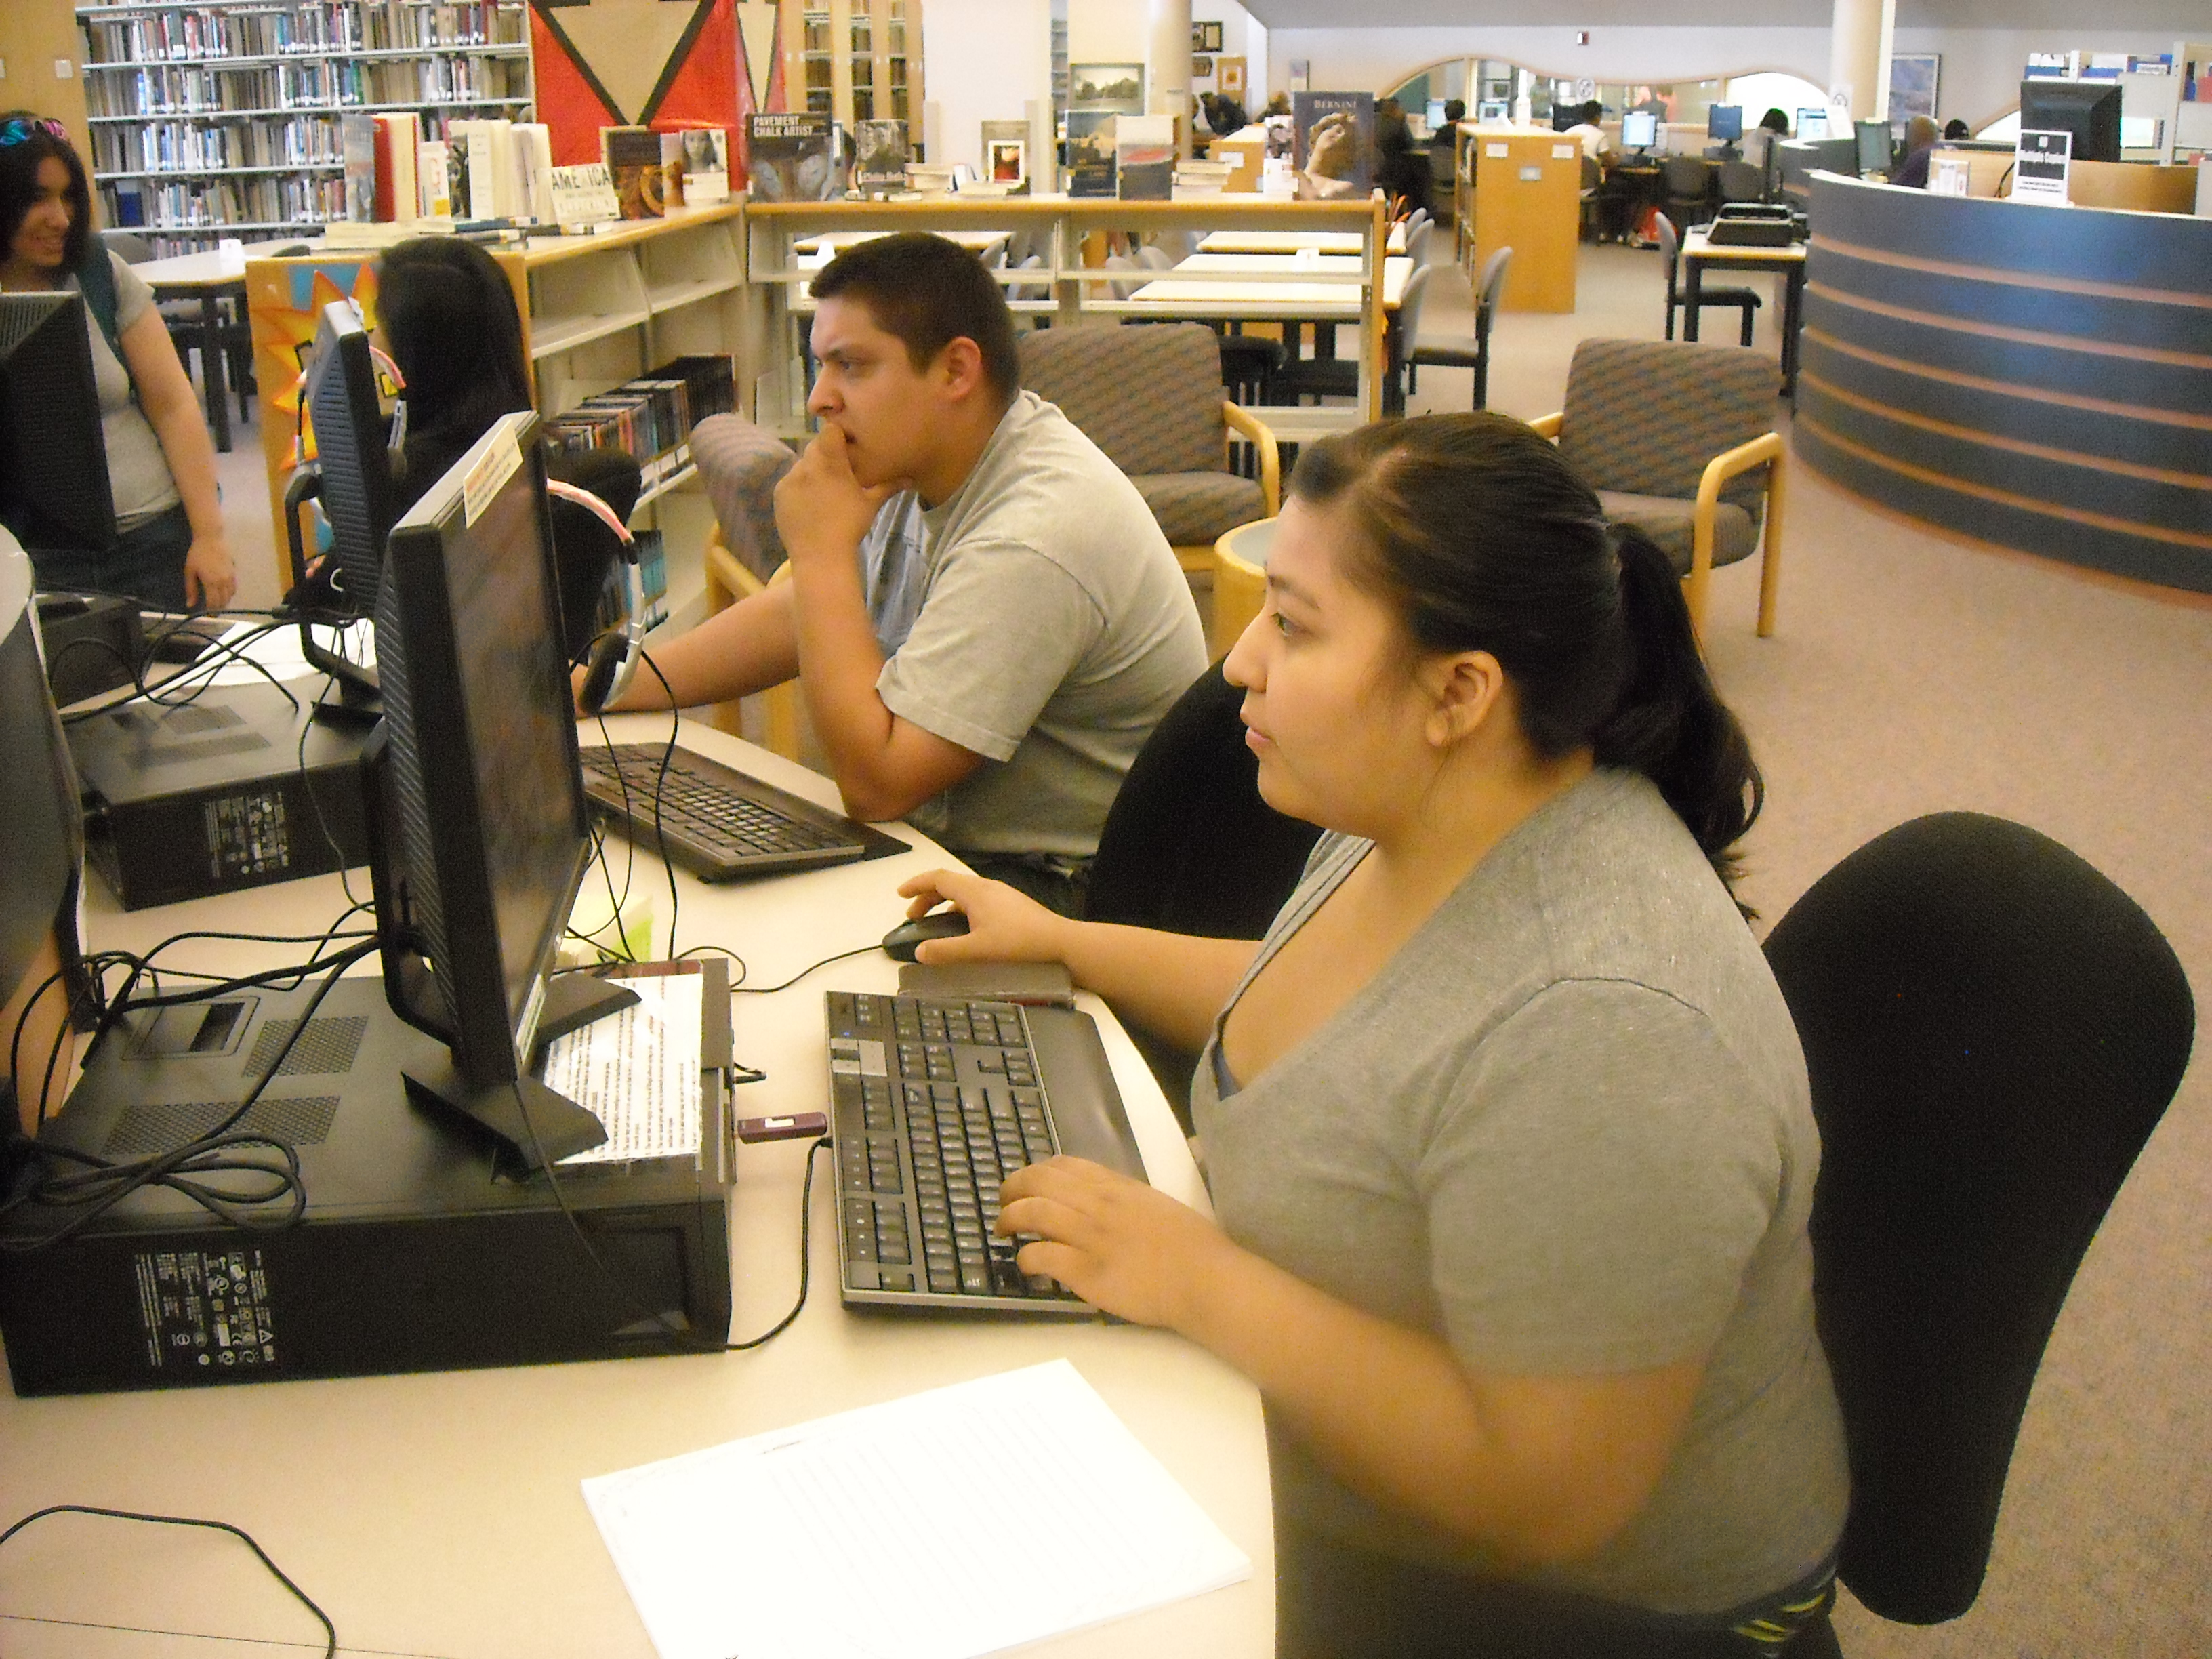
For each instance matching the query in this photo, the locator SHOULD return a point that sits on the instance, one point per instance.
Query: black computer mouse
(901, 943)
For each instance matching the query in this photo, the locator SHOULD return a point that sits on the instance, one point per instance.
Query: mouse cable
(330, 1631)
(743, 989)
(660, 783)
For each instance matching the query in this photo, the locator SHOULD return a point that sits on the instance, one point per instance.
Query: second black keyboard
(719, 823)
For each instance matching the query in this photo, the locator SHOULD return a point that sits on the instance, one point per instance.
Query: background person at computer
(170, 551)
(1506, 1123)
(1919, 150)
(1777, 122)
(446, 314)
(1053, 626)
(1402, 172)
(1587, 132)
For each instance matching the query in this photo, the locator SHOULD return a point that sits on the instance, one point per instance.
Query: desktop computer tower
(421, 1247)
(225, 789)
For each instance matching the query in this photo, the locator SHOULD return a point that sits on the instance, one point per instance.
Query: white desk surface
(1699, 245)
(208, 269)
(1276, 285)
(440, 1514)
(1290, 242)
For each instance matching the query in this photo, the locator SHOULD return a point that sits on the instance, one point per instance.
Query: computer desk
(440, 1514)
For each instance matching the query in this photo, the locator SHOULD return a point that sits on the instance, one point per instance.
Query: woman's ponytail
(1669, 723)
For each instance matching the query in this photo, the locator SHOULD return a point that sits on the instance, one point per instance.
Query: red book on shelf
(396, 136)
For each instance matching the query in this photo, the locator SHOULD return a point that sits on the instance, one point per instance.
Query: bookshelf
(858, 60)
(596, 312)
(222, 118)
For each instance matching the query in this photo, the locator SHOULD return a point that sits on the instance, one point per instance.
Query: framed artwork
(1114, 88)
(1201, 69)
(1229, 77)
(1206, 37)
(1912, 82)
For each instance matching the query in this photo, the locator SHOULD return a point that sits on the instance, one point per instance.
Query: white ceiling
(2166, 17)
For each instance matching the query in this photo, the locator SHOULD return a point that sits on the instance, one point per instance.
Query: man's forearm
(734, 653)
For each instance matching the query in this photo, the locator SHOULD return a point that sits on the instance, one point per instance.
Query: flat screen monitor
(1812, 123)
(1639, 130)
(1435, 114)
(480, 836)
(1492, 109)
(40, 835)
(54, 461)
(1874, 144)
(352, 478)
(1725, 121)
(2089, 111)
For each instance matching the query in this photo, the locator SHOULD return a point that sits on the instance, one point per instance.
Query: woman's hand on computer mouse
(1003, 925)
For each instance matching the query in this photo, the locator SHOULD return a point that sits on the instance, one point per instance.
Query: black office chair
(1710, 296)
(1687, 181)
(1442, 351)
(1190, 847)
(1992, 1030)
(1740, 181)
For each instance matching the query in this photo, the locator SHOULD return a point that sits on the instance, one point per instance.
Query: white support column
(1860, 37)
(1168, 72)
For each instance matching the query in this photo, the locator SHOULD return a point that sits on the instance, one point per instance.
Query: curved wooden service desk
(2040, 377)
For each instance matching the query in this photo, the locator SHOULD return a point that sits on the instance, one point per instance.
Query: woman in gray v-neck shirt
(1506, 1125)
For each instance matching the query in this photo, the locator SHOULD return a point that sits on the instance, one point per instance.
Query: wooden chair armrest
(1242, 419)
(1767, 447)
(728, 581)
(1547, 426)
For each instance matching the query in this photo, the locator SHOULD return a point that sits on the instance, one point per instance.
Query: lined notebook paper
(945, 1525)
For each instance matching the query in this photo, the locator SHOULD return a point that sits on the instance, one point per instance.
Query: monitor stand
(523, 1114)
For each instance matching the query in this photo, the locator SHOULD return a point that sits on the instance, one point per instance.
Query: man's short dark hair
(928, 292)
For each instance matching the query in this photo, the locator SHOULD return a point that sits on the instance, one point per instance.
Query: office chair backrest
(1670, 257)
(1488, 283)
(1992, 1030)
(1418, 237)
(1645, 418)
(740, 464)
(1188, 845)
(128, 245)
(1409, 305)
(1175, 427)
(1154, 258)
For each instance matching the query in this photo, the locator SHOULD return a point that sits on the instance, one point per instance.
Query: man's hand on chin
(822, 511)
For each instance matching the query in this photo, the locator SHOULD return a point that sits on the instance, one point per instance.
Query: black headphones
(611, 663)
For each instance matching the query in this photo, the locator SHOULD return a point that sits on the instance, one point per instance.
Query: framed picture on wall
(1912, 81)
(1201, 69)
(1112, 88)
(1206, 37)
(1229, 77)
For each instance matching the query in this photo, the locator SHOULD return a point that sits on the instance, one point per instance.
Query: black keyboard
(718, 821)
(932, 1104)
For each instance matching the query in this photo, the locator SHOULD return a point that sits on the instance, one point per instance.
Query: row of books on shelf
(649, 170)
(169, 90)
(360, 25)
(651, 417)
(479, 169)
(1132, 157)
(197, 204)
(192, 147)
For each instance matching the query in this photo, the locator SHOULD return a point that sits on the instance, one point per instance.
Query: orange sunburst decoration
(281, 335)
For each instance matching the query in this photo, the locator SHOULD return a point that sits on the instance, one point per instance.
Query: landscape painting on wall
(1117, 89)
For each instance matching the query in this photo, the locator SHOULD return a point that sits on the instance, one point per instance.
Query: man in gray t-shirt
(1050, 628)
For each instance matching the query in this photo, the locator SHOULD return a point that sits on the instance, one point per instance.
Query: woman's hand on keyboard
(1003, 925)
(1121, 1245)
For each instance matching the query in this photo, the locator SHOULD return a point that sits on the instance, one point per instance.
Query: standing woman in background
(170, 550)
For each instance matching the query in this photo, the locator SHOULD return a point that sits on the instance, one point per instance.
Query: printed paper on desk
(637, 1071)
(946, 1525)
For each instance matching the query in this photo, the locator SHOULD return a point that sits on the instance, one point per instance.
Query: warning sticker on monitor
(495, 468)
(206, 1310)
